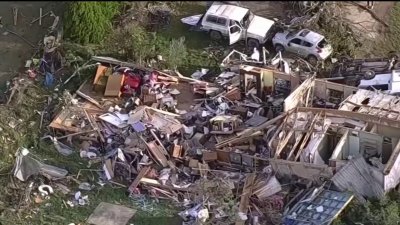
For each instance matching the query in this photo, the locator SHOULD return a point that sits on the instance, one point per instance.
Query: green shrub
(176, 54)
(89, 22)
(374, 212)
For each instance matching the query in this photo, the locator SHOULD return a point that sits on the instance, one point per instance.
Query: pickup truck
(234, 22)
(375, 73)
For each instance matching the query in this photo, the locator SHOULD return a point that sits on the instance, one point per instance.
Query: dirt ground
(268, 9)
(364, 23)
(14, 51)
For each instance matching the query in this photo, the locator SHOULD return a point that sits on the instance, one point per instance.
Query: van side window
(307, 44)
(221, 21)
(234, 29)
(212, 19)
(296, 41)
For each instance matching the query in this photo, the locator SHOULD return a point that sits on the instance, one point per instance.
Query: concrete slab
(110, 214)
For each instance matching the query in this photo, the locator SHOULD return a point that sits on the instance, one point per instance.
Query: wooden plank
(298, 139)
(152, 182)
(283, 144)
(141, 174)
(159, 142)
(245, 199)
(308, 134)
(94, 126)
(156, 152)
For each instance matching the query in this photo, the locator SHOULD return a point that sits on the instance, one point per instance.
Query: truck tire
(279, 48)
(343, 59)
(394, 55)
(396, 66)
(252, 43)
(369, 75)
(215, 35)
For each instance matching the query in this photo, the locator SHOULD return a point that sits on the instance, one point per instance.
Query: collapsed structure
(283, 147)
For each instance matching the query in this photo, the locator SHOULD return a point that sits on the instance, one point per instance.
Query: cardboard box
(101, 71)
(210, 156)
(149, 99)
(177, 151)
(114, 84)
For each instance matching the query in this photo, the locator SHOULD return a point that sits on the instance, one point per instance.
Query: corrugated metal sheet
(356, 177)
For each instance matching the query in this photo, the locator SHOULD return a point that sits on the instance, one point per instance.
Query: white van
(389, 83)
(235, 22)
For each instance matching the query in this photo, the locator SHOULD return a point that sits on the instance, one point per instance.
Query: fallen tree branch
(84, 66)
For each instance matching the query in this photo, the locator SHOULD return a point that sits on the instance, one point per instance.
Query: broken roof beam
(245, 199)
(297, 96)
(387, 111)
(251, 131)
(354, 115)
(303, 137)
(308, 135)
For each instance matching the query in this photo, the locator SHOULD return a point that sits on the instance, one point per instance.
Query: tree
(374, 212)
(89, 22)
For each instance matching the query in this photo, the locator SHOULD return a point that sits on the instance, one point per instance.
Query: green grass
(58, 213)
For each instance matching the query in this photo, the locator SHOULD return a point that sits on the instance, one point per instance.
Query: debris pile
(205, 146)
(130, 120)
(246, 148)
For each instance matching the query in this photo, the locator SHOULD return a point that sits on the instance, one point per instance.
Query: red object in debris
(131, 82)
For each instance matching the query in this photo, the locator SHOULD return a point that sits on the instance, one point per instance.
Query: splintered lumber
(245, 199)
(157, 153)
(141, 174)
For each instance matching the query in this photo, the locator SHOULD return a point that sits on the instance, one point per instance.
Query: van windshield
(291, 34)
(247, 19)
(322, 43)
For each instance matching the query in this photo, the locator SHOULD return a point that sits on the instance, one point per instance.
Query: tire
(343, 59)
(215, 35)
(252, 43)
(396, 66)
(312, 59)
(369, 75)
(279, 48)
(394, 55)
